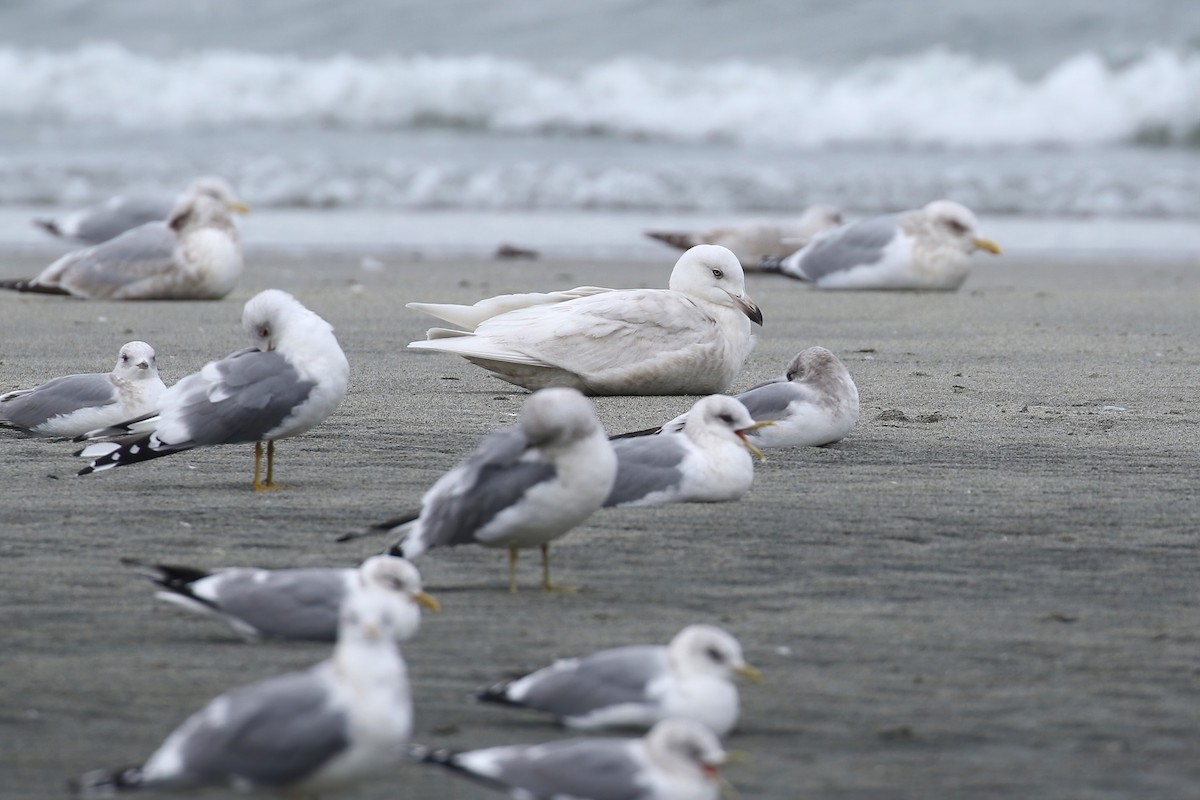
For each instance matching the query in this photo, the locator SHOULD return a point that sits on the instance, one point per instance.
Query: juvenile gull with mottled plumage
(289, 382)
(74, 404)
(639, 685)
(927, 248)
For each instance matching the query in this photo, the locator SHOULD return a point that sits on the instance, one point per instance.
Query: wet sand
(989, 590)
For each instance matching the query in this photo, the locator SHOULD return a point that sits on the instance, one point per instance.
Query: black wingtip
(105, 783)
(496, 694)
(633, 434)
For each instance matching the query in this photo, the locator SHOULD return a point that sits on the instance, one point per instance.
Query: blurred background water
(670, 110)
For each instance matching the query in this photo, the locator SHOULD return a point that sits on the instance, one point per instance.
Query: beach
(987, 590)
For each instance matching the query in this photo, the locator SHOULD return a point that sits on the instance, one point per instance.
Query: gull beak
(749, 308)
(750, 673)
(372, 631)
(749, 444)
(427, 600)
(710, 771)
(143, 364)
(988, 244)
(240, 206)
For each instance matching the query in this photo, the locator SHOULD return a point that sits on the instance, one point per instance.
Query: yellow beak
(427, 600)
(240, 206)
(989, 245)
(749, 444)
(750, 673)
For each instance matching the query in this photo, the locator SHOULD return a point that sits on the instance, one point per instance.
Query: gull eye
(956, 227)
(715, 654)
(264, 332)
(124, 357)
(726, 417)
(718, 274)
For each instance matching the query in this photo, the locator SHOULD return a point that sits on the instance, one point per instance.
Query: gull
(676, 760)
(707, 461)
(756, 242)
(291, 379)
(927, 248)
(692, 677)
(335, 723)
(813, 403)
(193, 255)
(292, 603)
(524, 486)
(691, 338)
(101, 222)
(74, 404)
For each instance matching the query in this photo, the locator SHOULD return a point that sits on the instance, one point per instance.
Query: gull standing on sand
(101, 222)
(293, 377)
(194, 255)
(691, 338)
(333, 724)
(299, 604)
(928, 248)
(525, 485)
(676, 760)
(692, 677)
(756, 242)
(813, 403)
(708, 461)
(74, 404)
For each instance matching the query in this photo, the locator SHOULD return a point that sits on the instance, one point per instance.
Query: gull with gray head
(692, 677)
(297, 604)
(691, 338)
(760, 241)
(293, 377)
(74, 404)
(928, 248)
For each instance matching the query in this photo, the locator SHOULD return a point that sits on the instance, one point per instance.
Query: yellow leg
(546, 584)
(269, 483)
(512, 569)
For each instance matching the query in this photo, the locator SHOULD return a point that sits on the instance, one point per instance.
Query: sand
(989, 590)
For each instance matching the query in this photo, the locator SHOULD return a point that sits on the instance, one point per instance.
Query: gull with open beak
(707, 461)
(690, 338)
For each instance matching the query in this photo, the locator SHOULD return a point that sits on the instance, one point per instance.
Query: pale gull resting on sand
(101, 222)
(299, 604)
(194, 255)
(639, 685)
(524, 486)
(333, 724)
(289, 382)
(929, 248)
(676, 760)
(756, 242)
(691, 338)
(74, 404)
(813, 403)
(708, 461)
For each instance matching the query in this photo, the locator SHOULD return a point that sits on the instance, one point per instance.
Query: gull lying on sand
(101, 222)
(813, 403)
(676, 760)
(708, 461)
(293, 603)
(342, 720)
(289, 382)
(691, 338)
(929, 248)
(524, 486)
(639, 685)
(74, 404)
(756, 242)
(194, 255)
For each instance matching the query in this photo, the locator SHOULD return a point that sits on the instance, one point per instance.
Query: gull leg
(512, 569)
(546, 584)
(269, 483)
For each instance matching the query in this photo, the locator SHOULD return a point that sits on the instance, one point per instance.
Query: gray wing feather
(287, 604)
(257, 391)
(103, 222)
(101, 270)
(645, 465)
(277, 732)
(56, 397)
(770, 400)
(490, 480)
(597, 769)
(600, 680)
(858, 243)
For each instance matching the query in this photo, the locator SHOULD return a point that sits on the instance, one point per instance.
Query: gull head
(367, 618)
(136, 362)
(713, 273)
(685, 748)
(221, 190)
(812, 362)
(197, 210)
(268, 315)
(709, 650)
(955, 223)
(721, 413)
(397, 575)
(558, 417)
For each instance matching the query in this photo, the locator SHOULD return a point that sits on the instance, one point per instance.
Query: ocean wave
(932, 99)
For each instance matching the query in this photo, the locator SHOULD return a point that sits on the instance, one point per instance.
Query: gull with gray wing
(757, 242)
